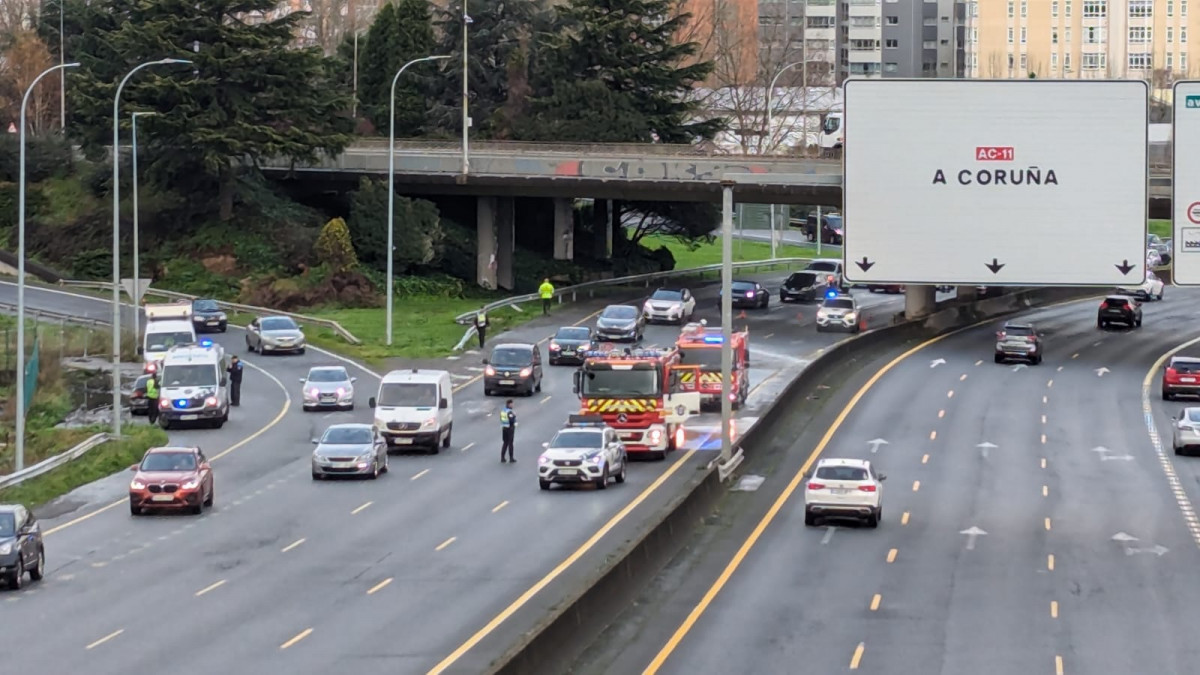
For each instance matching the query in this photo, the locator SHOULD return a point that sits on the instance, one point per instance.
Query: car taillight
(1104, 305)
(1031, 338)
(1000, 335)
(816, 486)
(1171, 372)
(866, 488)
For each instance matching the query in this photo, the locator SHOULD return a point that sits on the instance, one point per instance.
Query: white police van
(193, 387)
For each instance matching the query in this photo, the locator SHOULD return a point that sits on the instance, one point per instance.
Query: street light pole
(116, 241)
(391, 213)
(137, 268)
(466, 120)
(21, 270)
(62, 63)
(726, 318)
(768, 135)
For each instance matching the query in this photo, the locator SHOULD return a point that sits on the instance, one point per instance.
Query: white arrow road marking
(462, 377)
(828, 534)
(1019, 366)
(1100, 449)
(984, 447)
(876, 443)
(1101, 371)
(473, 369)
(1158, 550)
(1122, 537)
(972, 533)
(1123, 458)
(937, 362)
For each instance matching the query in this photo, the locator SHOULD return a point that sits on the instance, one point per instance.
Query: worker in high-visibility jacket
(546, 290)
(508, 427)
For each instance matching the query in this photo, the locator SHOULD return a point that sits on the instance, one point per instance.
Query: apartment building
(799, 30)
(1081, 39)
(901, 38)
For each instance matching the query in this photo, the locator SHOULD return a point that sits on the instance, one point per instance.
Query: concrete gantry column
(602, 229)
(486, 262)
(564, 229)
(967, 293)
(505, 241)
(919, 301)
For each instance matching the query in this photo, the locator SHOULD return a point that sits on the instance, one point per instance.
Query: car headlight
(345, 392)
(852, 316)
(554, 347)
(432, 421)
(137, 485)
(221, 316)
(543, 460)
(526, 372)
(6, 548)
(211, 402)
(191, 484)
(366, 456)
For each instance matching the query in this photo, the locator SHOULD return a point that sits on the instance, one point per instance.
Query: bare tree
(16, 16)
(993, 66)
(24, 59)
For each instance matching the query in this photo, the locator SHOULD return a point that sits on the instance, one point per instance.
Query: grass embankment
(1161, 227)
(51, 403)
(687, 256)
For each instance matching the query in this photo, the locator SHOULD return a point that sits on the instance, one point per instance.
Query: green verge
(104, 460)
(689, 256)
(1161, 227)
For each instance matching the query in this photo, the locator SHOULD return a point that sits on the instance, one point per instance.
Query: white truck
(193, 387)
(167, 325)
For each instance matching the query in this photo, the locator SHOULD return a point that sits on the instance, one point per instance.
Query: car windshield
(347, 436)
(742, 285)
(840, 303)
(1193, 414)
(161, 342)
(842, 473)
(8, 525)
(408, 394)
(327, 375)
(571, 333)
(822, 266)
(706, 358)
(1018, 330)
(619, 312)
(572, 438)
(511, 358)
(169, 461)
(205, 306)
(667, 295)
(616, 383)
(191, 375)
(801, 280)
(278, 323)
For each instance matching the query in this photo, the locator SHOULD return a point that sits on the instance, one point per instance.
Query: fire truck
(635, 391)
(699, 366)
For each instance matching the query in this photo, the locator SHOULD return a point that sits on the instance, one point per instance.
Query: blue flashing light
(206, 342)
(831, 293)
(714, 339)
(180, 402)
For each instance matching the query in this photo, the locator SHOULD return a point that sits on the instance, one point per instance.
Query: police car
(584, 451)
(839, 312)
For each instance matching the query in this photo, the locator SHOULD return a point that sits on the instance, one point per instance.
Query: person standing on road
(546, 290)
(152, 398)
(508, 425)
(481, 326)
(235, 381)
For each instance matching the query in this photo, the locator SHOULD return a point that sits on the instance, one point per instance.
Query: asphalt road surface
(289, 575)
(1086, 538)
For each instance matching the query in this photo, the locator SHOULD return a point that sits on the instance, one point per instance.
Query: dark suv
(806, 286)
(21, 548)
(1119, 309)
(514, 367)
(1019, 341)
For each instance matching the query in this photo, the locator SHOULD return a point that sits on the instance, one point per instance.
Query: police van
(193, 387)
(415, 408)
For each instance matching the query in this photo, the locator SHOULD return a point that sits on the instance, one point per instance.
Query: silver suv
(1019, 341)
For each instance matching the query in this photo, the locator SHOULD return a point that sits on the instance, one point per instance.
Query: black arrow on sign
(1125, 267)
(995, 266)
(865, 264)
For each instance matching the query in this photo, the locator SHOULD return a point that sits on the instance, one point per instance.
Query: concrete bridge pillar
(967, 293)
(919, 301)
(602, 224)
(495, 236)
(564, 229)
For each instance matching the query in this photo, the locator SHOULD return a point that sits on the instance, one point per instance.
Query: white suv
(584, 451)
(844, 488)
(839, 312)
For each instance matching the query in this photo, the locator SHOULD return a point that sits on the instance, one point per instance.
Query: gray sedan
(328, 387)
(274, 335)
(349, 450)
(1186, 435)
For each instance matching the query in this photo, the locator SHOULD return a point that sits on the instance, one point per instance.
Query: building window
(1010, 35)
(974, 35)
(1054, 61)
(929, 44)
(1182, 13)
(1183, 35)
(1068, 36)
(1139, 62)
(893, 20)
(1067, 62)
(1170, 35)
(1054, 9)
(1024, 8)
(1024, 63)
(1024, 35)
(1093, 35)
(891, 44)
(1170, 7)
(1010, 62)
(1093, 61)
(1170, 61)
(1095, 9)
(890, 67)
(1140, 9)
(1010, 9)
(1183, 59)
(1068, 13)
(1054, 37)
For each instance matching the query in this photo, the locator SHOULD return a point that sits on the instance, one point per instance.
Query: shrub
(315, 287)
(334, 248)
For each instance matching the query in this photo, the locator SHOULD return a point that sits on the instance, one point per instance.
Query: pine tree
(615, 71)
(418, 234)
(249, 93)
(400, 33)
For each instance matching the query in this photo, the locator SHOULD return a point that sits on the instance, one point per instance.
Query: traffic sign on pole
(143, 285)
(1185, 184)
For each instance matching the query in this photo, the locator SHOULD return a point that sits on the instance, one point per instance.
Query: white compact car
(672, 305)
(838, 312)
(1150, 289)
(584, 451)
(844, 488)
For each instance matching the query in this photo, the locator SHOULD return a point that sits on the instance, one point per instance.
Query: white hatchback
(844, 488)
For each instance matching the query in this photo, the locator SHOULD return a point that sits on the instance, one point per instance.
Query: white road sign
(1185, 184)
(998, 183)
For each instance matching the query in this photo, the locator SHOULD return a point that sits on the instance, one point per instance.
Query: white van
(193, 387)
(167, 325)
(415, 408)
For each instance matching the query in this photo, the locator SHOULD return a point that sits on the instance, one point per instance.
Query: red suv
(171, 478)
(1182, 376)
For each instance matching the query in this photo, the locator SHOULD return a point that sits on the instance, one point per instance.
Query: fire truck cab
(699, 368)
(636, 392)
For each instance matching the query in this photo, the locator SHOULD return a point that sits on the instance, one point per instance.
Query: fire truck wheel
(660, 455)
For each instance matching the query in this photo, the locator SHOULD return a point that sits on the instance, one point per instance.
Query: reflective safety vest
(151, 388)
(505, 420)
(547, 290)
(481, 319)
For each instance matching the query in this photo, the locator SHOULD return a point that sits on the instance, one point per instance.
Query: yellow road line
(500, 506)
(904, 518)
(891, 557)
(360, 509)
(1053, 609)
(875, 602)
(933, 435)
(379, 586)
(916, 485)
(924, 459)
(104, 639)
(857, 658)
(446, 543)
(1058, 665)
(300, 636)
(210, 588)
(1050, 562)
(292, 545)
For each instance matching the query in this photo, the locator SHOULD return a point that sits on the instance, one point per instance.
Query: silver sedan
(328, 387)
(349, 450)
(274, 334)
(1186, 436)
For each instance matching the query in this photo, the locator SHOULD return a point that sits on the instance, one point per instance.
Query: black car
(207, 317)
(21, 548)
(138, 403)
(1119, 309)
(885, 288)
(569, 344)
(515, 368)
(621, 322)
(806, 286)
(748, 294)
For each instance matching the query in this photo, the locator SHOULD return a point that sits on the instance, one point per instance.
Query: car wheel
(212, 494)
(1167, 396)
(17, 579)
(446, 440)
(544, 484)
(39, 568)
(873, 520)
(602, 481)
(385, 468)
(249, 346)
(197, 509)
(487, 392)
(316, 476)
(809, 519)
(620, 477)
(1178, 450)
(1037, 361)
(375, 470)
(820, 328)
(1100, 325)
(223, 329)
(660, 455)
(999, 358)
(164, 423)
(1137, 324)
(302, 350)
(1160, 294)
(133, 510)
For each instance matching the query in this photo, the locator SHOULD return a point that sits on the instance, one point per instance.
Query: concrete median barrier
(557, 641)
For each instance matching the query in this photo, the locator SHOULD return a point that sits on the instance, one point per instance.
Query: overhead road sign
(1185, 184)
(996, 182)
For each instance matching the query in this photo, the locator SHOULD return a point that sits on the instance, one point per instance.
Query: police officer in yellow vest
(508, 426)
(481, 326)
(152, 398)
(546, 290)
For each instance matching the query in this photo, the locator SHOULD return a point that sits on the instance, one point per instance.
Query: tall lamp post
(116, 241)
(62, 62)
(392, 185)
(21, 270)
(770, 119)
(466, 120)
(137, 267)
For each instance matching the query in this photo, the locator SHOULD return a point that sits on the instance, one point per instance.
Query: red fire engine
(700, 363)
(631, 390)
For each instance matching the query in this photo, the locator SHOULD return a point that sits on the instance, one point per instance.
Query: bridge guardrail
(575, 149)
(48, 464)
(45, 314)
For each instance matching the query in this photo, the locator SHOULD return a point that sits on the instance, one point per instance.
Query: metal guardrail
(43, 314)
(53, 462)
(228, 306)
(572, 149)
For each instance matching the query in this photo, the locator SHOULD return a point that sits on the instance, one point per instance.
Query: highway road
(1084, 533)
(288, 575)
